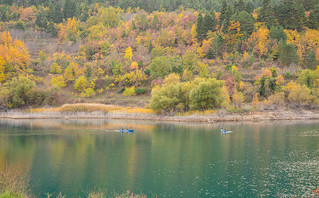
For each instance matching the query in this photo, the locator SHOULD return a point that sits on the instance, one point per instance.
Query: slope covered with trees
(193, 57)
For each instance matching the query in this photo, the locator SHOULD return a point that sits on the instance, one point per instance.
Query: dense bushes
(199, 94)
(22, 91)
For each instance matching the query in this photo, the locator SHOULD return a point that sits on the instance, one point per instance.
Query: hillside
(231, 55)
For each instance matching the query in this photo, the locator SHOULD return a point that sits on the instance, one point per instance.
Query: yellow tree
(72, 72)
(14, 55)
(233, 33)
(238, 98)
(97, 32)
(261, 38)
(128, 54)
(69, 31)
(2, 70)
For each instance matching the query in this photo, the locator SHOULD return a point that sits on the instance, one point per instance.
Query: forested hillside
(171, 56)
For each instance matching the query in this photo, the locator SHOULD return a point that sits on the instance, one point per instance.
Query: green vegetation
(212, 54)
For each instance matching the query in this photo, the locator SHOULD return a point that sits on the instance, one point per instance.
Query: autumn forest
(170, 56)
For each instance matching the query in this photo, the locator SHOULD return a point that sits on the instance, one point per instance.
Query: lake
(74, 157)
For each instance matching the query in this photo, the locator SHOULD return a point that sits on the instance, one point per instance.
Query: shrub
(58, 81)
(87, 93)
(55, 69)
(139, 91)
(19, 25)
(17, 92)
(129, 91)
(300, 95)
(81, 83)
(121, 90)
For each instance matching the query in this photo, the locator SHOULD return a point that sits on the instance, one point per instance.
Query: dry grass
(13, 183)
(201, 113)
(92, 107)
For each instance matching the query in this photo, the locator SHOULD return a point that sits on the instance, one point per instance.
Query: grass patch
(92, 107)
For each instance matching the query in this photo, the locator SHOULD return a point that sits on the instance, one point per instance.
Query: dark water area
(74, 157)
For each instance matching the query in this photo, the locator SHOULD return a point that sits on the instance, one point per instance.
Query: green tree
(310, 78)
(18, 92)
(247, 23)
(310, 60)
(291, 16)
(278, 33)
(267, 14)
(313, 19)
(69, 9)
(160, 66)
(217, 48)
(189, 61)
(209, 23)
(117, 68)
(207, 95)
(287, 53)
(41, 20)
(200, 27)
(166, 99)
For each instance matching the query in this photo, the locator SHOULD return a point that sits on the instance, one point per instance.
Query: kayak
(127, 130)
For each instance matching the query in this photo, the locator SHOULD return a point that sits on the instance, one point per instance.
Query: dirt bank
(213, 117)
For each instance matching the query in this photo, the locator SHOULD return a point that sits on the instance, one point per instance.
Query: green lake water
(74, 157)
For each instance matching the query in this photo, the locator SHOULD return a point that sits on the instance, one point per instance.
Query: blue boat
(127, 130)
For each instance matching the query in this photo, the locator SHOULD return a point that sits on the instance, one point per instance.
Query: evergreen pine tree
(41, 20)
(278, 33)
(310, 60)
(209, 23)
(313, 19)
(51, 12)
(249, 7)
(51, 29)
(247, 22)
(58, 13)
(199, 27)
(150, 47)
(291, 16)
(69, 9)
(287, 53)
(223, 12)
(267, 14)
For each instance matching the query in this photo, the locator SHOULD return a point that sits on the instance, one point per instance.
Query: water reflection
(166, 159)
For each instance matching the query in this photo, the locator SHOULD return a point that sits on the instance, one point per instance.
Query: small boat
(224, 131)
(127, 130)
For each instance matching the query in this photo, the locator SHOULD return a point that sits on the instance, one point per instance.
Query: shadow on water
(167, 159)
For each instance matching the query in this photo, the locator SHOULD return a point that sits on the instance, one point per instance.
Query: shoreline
(220, 116)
